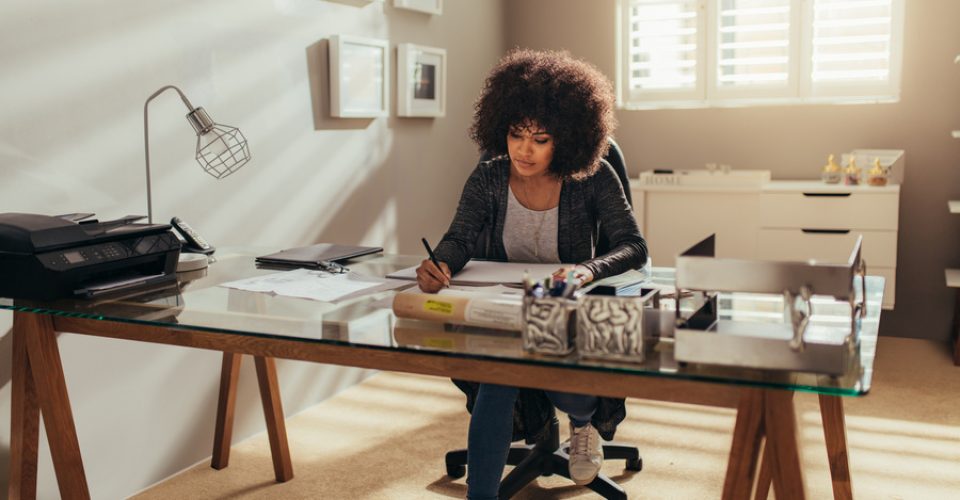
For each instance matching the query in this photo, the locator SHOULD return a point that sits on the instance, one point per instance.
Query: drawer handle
(828, 195)
(826, 231)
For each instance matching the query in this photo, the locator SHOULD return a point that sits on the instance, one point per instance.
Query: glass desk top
(196, 302)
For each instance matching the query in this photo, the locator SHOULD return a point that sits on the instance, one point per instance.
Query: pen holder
(612, 328)
(548, 325)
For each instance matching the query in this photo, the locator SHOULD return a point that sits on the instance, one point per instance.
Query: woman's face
(530, 148)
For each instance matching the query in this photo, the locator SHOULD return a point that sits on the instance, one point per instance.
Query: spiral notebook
(316, 255)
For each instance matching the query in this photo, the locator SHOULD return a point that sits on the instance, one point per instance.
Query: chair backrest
(614, 157)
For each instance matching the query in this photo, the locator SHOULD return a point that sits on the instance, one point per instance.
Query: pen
(433, 258)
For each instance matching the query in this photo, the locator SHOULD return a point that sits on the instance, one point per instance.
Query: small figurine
(831, 173)
(851, 174)
(877, 176)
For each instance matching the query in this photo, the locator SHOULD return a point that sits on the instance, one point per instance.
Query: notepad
(314, 255)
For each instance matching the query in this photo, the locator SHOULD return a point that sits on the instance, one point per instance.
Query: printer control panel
(62, 260)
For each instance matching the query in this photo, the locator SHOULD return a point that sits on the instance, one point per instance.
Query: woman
(545, 117)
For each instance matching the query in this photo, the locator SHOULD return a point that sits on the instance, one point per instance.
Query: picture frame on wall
(421, 80)
(433, 7)
(359, 77)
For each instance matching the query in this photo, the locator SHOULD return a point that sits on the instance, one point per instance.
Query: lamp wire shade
(222, 150)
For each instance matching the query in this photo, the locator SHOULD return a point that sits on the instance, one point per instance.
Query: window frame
(799, 89)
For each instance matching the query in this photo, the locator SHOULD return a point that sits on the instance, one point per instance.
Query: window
(737, 52)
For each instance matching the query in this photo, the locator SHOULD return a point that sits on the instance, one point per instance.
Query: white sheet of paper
(486, 272)
(314, 284)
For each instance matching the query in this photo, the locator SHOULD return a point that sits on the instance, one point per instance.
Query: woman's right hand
(430, 278)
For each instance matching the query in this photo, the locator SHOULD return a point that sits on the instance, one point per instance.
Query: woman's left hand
(580, 273)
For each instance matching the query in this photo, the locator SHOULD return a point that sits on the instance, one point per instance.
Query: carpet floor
(386, 438)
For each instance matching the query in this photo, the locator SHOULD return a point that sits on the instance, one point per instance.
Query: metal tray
(793, 345)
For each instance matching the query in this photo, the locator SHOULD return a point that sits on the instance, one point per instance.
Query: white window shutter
(855, 47)
(755, 49)
(662, 53)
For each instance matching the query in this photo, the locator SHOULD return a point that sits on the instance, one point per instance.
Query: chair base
(546, 458)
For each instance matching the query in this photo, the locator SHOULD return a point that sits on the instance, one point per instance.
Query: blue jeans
(491, 430)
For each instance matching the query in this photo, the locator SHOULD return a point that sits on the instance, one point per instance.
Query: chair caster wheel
(635, 464)
(456, 471)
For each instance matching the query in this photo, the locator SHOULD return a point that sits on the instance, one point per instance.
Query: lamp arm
(146, 140)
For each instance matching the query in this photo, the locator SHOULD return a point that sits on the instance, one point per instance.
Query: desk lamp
(221, 150)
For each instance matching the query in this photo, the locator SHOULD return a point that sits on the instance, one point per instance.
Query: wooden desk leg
(24, 419)
(835, 434)
(54, 403)
(764, 414)
(226, 404)
(780, 426)
(744, 452)
(765, 478)
(273, 412)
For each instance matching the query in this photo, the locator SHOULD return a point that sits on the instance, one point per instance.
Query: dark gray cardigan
(597, 200)
(586, 207)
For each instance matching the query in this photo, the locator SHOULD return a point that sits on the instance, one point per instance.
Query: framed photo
(421, 80)
(359, 77)
(434, 7)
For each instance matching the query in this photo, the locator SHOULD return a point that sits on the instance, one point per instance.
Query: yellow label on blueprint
(436, 306)
(438, 343)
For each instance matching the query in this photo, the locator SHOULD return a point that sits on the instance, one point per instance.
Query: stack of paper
(315, 284)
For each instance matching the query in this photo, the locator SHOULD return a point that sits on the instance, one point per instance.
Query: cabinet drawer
(830, 210)
(879, 247)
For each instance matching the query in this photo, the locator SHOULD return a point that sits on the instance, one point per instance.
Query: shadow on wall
(367, 201)
(363, 208)
(318, 72)
(6, 371)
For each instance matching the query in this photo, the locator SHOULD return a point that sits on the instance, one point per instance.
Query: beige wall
(73, 80)
(793, 141)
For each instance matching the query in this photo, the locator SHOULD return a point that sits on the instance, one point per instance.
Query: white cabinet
(779, 220)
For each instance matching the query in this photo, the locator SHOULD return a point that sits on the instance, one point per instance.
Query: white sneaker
(586, 454)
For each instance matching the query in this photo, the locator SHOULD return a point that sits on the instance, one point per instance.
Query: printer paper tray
(125, 283)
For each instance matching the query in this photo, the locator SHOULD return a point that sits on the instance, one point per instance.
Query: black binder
(316, 255)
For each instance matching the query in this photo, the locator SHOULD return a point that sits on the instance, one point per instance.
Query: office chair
(545, 457)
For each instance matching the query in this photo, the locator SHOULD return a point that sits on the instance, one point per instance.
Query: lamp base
(191, 262)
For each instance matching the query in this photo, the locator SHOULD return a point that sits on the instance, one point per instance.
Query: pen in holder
(548, 325)
(612, 328)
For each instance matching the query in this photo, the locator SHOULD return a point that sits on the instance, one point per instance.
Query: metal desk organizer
(795, 344)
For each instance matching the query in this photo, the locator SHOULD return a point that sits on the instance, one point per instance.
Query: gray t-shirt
(530, 235)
